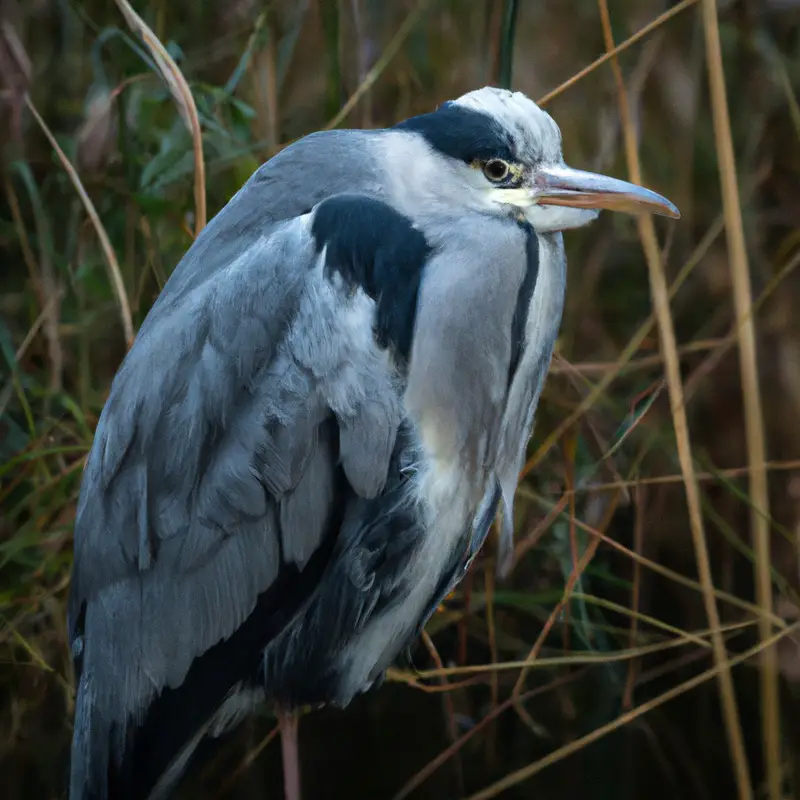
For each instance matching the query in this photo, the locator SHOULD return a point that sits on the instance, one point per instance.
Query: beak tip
(653, 203)
(671, 211)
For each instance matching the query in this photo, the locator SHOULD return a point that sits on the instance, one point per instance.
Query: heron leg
(287, 723)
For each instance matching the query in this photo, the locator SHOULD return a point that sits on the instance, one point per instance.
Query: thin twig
(676, 577)
(569, 449)
(734, 472)
(247, 761)
(494, 687)
(380, 65)
(575, 574)
(578, 658)
(8, 389)
(45, 285)
(531, 539)
(24, 242)
(724, 344)
(105, 242)
(431, 767)
(507, 33)
(263, 67)
(625, 356)
(533, 655)
(449, 708)
(649, 28)
(577, 745)
(638, 528)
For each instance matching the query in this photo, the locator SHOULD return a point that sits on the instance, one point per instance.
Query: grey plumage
(306, 445)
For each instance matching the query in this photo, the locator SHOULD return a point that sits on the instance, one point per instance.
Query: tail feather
(142, 766)
(91, 749)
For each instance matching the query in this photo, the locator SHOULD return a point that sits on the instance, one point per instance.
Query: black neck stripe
(520, 319)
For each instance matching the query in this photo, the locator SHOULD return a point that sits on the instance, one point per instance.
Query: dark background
(263, 74)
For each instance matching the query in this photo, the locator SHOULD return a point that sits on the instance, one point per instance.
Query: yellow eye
(496, 170)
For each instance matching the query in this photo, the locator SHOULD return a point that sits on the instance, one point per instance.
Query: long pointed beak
(563, 186)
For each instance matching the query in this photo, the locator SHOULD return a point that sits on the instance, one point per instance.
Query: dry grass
(573, 747)
(753, 415)
(108, 250)
(649, 564)
(184, 101)
(669, 348)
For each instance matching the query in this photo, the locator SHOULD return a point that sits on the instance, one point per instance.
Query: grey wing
(238, 415)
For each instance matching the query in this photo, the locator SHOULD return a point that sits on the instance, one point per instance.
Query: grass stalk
(507, 42)
(184, 100)
(754, 420)
(105, 243)
(669, 347)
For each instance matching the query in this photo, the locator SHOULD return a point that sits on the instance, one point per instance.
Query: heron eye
(496, 170)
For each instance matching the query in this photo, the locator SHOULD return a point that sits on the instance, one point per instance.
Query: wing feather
(214, 471)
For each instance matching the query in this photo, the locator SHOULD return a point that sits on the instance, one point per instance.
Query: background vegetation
(655, 590)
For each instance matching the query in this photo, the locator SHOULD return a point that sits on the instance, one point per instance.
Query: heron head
(506, 153)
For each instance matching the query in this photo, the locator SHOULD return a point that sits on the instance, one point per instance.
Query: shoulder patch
(462, 133)
(374, 247)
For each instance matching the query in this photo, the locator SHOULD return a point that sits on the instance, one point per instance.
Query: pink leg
(287, 722)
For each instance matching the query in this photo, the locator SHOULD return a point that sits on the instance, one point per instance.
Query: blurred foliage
(265, 73)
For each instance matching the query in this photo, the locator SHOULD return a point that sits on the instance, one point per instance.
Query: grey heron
(321, 416)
